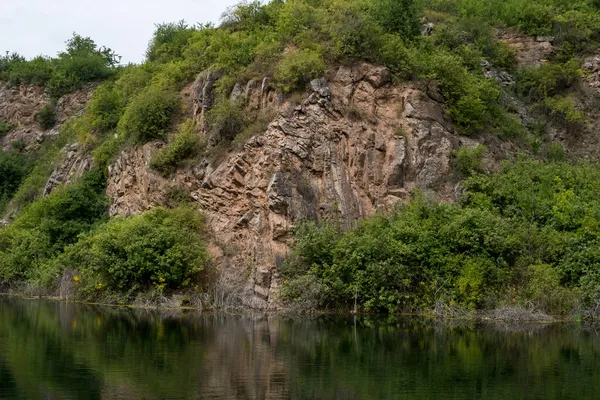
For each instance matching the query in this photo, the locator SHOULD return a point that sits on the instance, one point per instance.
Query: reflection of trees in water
(64, 350)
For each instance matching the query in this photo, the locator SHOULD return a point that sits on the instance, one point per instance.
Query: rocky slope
(19, 106)
(356, 145)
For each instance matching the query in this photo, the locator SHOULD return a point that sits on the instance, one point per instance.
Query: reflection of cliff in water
(59, 350)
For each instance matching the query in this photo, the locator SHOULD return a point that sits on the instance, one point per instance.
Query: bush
(149, 115)
(106, 153)
(297, 68)
(548, 80)
(185, 144)
(45, 227)
(469, 160)
(106, 108)
(18, 145)
(472, 101)
(225, 120)
(563, 109)
(398, 16)
(13, 170)
(353, 31)
(168, 42)
(133, 79)
(422, 254)
(5, 127)
(46, 117)
(160, 249)
(81, 62)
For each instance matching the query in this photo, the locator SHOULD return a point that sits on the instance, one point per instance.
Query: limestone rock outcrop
(75, 162)
(19, 106)
(356, 145)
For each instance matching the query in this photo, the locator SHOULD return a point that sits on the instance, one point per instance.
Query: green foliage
(225, 120)
(106, 153)
(149, 115)
(353, 31)
(470, 159)
(185, 144)
(160, 249)
(18, 145)
(567, 21)
(133, 79)
(5, 127)
(80, 63)
(398, 16)
(168, 42)
(46, 117)
(564, 109)
(13, 170)
(106, 108)
(45, 227)
(548, 80)
(297, 68)
(473, 101)
(421, 255)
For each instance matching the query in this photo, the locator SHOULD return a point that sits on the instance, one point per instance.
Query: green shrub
(472, 101)
(106, 108)
(5, 127)
(421, 255)
(398, 16)
(548, 80)
(169, 41)
(106, 153)
(46, 117)
(185, 144)
(298, 16)
(177, 196)
(160, 249)
(225, 120)
(149, 115)
(297, 68)
(13, 170)
(133, 79)
(354, 32)
(80, 63)
(563, 109)
(555, 152)
(470, 159)
(46, 226)
(19, 145)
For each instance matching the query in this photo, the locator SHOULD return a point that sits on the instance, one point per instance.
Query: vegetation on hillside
(525, 236)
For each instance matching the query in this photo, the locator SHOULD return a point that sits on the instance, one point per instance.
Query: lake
(53, 350)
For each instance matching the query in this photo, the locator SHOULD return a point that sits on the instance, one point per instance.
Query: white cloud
(34, 27)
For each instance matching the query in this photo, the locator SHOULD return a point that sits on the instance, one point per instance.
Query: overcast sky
(34, 27)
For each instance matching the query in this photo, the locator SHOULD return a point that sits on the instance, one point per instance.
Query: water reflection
(64, 351)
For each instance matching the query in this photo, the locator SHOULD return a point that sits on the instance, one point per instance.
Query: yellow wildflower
(76, 278)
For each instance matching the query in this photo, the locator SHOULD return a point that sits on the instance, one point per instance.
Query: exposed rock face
(530, 51)
(76, 162)
(19, 105)
(591, 65)
(358, 144)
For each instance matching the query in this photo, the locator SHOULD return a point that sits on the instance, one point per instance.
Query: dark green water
(64, 351)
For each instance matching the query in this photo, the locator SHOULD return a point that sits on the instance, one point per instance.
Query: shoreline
(476, 316)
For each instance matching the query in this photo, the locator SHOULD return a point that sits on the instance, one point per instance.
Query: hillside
(315, 154)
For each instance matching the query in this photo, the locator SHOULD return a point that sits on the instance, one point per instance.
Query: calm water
(64, 351)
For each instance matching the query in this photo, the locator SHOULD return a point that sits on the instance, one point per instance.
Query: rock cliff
(356, 145)
(19, 106)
